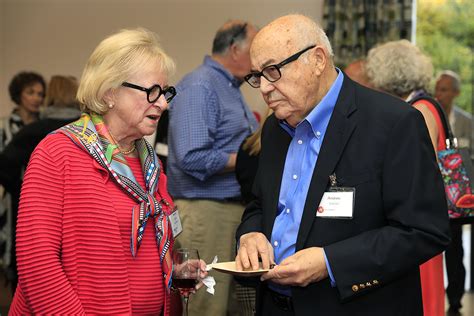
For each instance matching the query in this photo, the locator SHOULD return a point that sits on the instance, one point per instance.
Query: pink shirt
(73, 239)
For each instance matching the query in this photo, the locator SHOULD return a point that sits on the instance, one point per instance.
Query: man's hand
(304, 267)
(254, 246)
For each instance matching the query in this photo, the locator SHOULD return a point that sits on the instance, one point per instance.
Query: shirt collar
(208, 61)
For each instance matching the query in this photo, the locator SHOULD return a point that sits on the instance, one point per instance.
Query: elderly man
(209, 119)
(448, 87)
(349, 196)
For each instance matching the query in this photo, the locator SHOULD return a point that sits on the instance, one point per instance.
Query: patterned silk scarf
(91, 134)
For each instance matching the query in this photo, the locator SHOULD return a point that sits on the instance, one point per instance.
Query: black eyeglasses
(272, 72)
(154, 92)
(237, 33)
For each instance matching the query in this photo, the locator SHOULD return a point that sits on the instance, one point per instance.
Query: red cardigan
(73, 239)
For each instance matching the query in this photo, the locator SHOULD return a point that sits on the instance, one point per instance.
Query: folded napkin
(209, 281)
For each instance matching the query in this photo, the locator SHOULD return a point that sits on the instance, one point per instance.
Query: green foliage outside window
(445, 31)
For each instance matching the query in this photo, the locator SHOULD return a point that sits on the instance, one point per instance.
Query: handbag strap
(451, 141)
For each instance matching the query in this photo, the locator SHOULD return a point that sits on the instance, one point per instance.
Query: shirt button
(287, 211)
(300, 141)
(295, 177)
(318, 134)
(275, 243)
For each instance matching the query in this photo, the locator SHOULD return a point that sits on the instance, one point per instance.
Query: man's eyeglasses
(239, 31)
(154, 92)
(272, 72)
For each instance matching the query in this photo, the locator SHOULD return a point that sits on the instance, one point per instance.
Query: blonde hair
(398, 67)
(61, 92)
(114, 60)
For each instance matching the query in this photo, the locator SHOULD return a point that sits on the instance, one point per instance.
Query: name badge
(175, 221)
(337, 202)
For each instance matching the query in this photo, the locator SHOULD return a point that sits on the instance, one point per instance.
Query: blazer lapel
(338, 133)
(279, 151)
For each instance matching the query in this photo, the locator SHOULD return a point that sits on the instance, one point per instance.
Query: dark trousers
(455, 268)
(270, 307)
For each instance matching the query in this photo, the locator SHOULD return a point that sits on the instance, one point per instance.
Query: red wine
(184, 285)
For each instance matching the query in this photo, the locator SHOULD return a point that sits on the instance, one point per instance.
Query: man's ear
(234, 50)
(321, 59)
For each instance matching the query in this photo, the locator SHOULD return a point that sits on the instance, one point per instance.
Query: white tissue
(209, 281)
(209, 266)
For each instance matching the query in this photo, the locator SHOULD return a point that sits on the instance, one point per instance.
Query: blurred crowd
(76, 169)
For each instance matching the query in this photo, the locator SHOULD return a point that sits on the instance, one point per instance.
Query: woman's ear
(109, 98)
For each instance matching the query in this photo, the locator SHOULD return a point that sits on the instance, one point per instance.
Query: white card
(336, 204)
(175, 223)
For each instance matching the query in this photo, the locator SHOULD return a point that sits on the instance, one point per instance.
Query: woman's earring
(111, 105)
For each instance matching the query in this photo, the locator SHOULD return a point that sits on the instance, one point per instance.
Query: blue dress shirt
(301, 159)
(209, 119)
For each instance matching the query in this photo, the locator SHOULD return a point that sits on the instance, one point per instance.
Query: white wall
(57, 36)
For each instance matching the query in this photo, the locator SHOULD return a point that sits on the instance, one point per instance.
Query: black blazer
(380, 145)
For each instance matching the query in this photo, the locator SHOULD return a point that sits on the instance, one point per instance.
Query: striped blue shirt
(301, 159)
(209, 119)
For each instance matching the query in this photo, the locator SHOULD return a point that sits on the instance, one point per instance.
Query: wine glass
(186, 269)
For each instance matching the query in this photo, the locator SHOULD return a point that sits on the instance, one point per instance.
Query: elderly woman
(91, 187)
(401, 69)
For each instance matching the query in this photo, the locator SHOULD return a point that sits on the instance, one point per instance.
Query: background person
(90, 188)
(355, 70)
(364, 257)
(407, 76)
(246, 166)
(27, 91)
(61, 109)
(447, 89)
(209, 119)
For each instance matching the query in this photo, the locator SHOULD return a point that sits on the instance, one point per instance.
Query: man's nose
(265, 85)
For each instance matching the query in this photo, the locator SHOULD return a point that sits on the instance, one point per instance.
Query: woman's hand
(202, 274)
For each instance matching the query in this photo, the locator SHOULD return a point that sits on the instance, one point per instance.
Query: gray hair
(398, 67)
(228, 35)
(455, 79)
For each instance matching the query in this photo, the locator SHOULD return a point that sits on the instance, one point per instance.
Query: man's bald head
(292, 65)
(231, 47)
(291, 32)
(231, 32)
